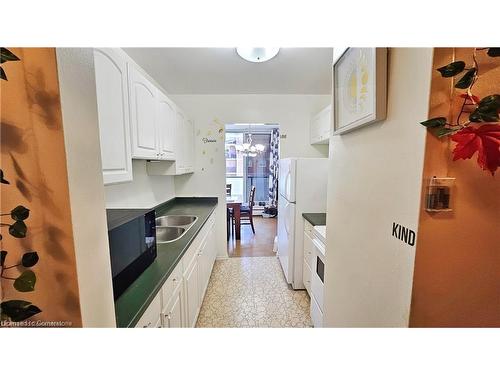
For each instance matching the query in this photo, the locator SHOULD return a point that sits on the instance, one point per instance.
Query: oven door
(318, 276)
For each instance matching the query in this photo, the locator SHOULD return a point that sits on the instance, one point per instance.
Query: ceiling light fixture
(247, 148)
(257, 54)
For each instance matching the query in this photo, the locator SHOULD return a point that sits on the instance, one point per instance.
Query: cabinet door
(189, 141)
(180, 150)
(143, 116)
(313, 135)
(203, 270)
(152, 315)
(173, 313)
(166, 126)
(325, 124)
(113, 114)
(191, 291)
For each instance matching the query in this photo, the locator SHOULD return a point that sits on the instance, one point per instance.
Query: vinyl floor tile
(252, 292)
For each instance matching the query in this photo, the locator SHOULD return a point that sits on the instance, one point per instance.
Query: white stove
(320, 231)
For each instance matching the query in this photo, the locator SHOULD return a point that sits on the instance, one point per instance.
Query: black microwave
(132, 245)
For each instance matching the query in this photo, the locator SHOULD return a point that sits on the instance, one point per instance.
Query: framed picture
(359, 88)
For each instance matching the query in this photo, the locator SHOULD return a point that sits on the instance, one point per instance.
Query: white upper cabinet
(183, 149)
(113, 114)
(138, 121)
(166, 126)
(180, 130)
(143, 112)
(189, 162)
(320, 126)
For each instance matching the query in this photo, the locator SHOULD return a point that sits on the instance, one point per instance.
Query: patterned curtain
(273, 167)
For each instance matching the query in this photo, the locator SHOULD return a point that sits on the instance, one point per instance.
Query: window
(243, 172)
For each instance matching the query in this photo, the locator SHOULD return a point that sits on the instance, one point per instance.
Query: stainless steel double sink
(170, 228)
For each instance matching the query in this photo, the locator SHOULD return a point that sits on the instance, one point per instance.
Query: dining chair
(246, 211)
(229, 215)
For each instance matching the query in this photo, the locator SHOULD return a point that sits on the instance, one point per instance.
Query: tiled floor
(252, 292)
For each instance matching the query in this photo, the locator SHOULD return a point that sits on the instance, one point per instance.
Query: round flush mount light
(257, 54)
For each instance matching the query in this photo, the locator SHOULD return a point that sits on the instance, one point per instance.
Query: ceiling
(222, 71)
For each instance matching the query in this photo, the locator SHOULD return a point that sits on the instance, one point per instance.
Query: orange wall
(457, 265)
(33, 159)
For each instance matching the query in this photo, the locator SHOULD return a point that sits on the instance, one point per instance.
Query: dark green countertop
(315, 218)
(130, 306)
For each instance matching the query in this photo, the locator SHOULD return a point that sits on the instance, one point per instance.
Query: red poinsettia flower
(484, 139)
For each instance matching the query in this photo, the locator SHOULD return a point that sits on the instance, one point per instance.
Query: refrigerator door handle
(287, 185)
(286, 218)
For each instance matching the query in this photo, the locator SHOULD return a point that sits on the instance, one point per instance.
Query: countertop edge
(313, 218)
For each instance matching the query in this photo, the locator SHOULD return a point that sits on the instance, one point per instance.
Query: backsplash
(142, 192)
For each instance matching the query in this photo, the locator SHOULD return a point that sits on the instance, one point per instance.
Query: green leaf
(25, 282)
(18, 229)
(487, 109)
(434, 122)
(6, 55)
(2, 74)
(18, 310)
(466, 79)
(490, 101)
(484, 115)
(3, 255)
(2, 179)
(441, 132)
(452, 69)
(29, 259)
(20, 213)
(494, 52)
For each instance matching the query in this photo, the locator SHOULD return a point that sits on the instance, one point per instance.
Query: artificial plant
(16, 310)
(477, 125)
(5, 56)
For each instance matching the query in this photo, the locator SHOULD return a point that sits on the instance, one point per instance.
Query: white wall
(375, 179)
(211, 112)
(143, 191)
(86, 191)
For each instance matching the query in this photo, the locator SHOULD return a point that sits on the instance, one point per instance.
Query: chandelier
(249, 149)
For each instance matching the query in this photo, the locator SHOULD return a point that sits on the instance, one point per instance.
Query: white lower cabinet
(316, 313)
(151, 317)
(173, 314)
(179, 300)
(192, 290)
(306, 274)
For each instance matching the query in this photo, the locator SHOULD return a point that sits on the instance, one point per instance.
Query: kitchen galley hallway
(252, 292)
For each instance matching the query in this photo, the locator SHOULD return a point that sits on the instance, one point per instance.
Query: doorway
(252, 156)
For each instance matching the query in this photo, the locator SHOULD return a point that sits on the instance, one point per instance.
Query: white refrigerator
(302, 188)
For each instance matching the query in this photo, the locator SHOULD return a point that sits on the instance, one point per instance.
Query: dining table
(235, 202)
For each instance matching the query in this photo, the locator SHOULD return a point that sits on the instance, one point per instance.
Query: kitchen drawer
(198, 242)
(308, 249)
(192, 251)
(308, 227)
(316, 314)
(306, 277)
(152, 314)
(172, 282)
